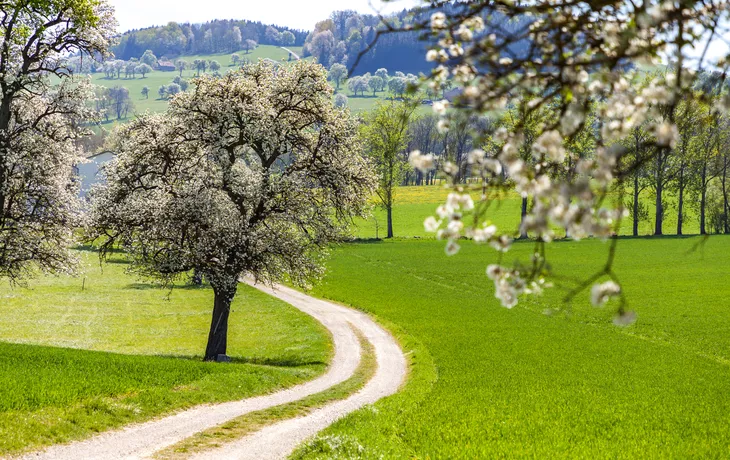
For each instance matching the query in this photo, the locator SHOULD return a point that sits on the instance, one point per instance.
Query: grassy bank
(81, 355)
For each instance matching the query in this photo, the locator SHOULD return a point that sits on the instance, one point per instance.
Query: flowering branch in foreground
(578, 59)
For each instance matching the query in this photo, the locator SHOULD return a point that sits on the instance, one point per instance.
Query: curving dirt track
(280, 439)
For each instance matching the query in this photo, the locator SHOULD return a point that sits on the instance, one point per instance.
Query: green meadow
(487, 382)
(545, 379)
(154, 103)
(413, 204)
(81, 355)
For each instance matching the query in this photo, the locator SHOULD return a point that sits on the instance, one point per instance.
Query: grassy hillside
(158, 78)
(147, 346)
(523, 384)
(154, 80)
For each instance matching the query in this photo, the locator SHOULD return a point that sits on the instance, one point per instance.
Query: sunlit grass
(414, 203)
(523, 384)
(61, 391)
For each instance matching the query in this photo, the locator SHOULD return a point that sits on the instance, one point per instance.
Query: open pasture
(414, 203)
(523, 383)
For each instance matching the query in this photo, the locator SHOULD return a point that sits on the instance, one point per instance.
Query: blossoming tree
(253, 173)
(40, 124)
(571, 55)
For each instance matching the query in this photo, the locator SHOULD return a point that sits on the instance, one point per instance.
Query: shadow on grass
(284, 361)
(32, 352)
(177, 287)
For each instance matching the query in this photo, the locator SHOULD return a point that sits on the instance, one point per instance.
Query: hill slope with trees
(214, 37)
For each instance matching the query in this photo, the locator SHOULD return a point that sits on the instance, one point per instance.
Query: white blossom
(550, 144)
(602, 293)
(431, 225)
(440, 107)
(452, 248)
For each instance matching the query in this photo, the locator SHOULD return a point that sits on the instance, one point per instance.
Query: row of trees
(130, 69)
(215, 37)
(691, 178)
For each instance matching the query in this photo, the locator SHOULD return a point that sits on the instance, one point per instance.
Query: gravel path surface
(276, 441)
(279, 440)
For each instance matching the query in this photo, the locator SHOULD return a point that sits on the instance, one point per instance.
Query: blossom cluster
(576, 63)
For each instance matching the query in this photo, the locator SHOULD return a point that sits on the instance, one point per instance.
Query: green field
(524, 384)
(80, 355)
(158, 78)
(414, 204)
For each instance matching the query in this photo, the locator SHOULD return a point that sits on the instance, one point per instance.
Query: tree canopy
(253, 173)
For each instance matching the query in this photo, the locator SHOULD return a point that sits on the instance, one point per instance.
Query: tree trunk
(680, 201)
(703, 199)
(635, 230)
(390, 222)
(659, 216)
(225, 291)
(523, 215)
(726, 205)
(197, 278)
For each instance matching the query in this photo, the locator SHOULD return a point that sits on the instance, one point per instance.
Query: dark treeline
(342, 37)
(219, 36)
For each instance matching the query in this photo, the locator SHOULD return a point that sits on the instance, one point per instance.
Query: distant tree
(337, 73)
(110, 70)
(201, 65)
(376, 84)
(287, 38)
(184, 85)
(214, 65)
(173, 89)
(235, 59)
(212, 185)
(382, 73)
(119, 101)
(340, 101)
(119, 68)
(385, 135)
(181, 65)
(249, 45)
(272, 35)
(234, 38)
(146, 92)
(357, 85)
(162, 91)
(149, 58)
(130, 69)
(322, 46)
(397, 85)
(143, 69)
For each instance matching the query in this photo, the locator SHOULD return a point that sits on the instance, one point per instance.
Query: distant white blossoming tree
(254, 173)
(40, 123)
(570, 55)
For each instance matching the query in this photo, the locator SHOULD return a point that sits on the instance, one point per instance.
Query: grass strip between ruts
(250, 423)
